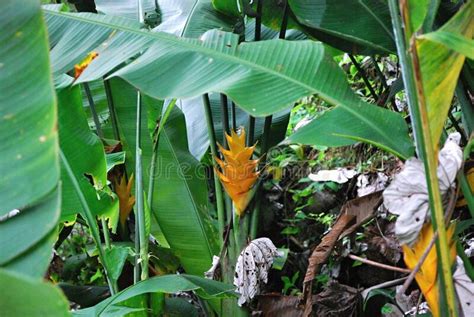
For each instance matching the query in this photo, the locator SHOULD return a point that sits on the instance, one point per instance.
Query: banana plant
(202, 49)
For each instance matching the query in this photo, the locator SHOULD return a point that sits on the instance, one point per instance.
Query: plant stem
(257, 37)
(284, 20)
(466, 106)
(234, 117)
(466, 190)
(163, 119)
(225, 118)
(364, 77)
(237, 232)
(431, 15)
(91, 222)
(258, 21)
(139, 207)
(379, 265)
(264, 148)
(105, 231)
(95, 117)
(110, 105)
(217, 183)
(407, 75)
(413, 85)
(251, 130)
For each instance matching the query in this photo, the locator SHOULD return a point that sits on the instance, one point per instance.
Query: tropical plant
(149, 123)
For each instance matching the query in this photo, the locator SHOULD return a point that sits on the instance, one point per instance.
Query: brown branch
(379, 265)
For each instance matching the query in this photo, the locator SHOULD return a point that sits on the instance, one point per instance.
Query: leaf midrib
(234, 59)
(204, 50)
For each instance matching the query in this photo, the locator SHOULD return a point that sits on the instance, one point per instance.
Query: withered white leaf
(464, 288)
(407, 195)
(340, 175)
(251, 269)
(209, 274)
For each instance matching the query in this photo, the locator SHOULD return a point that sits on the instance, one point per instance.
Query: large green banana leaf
(357, 27)
(29, 167)
(168, 284)
(85, 154)
(364, 23)
(280, 71)
(180, 191)
(23, 296)
(441, 59)
(181, 199)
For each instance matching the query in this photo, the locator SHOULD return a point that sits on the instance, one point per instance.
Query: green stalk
(151, 183)
(466, 190)
(111, 107)
(95, 117)
(413, 86)
(139, 207)
(91, 222)
(257, 37)
(224, 118)
(234, 118)
(105, 231)
(364, 77)
(467, 110)
(237, 232)
(217, 183)
(264, 148)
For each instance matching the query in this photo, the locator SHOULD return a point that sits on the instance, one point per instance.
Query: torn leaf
(251, 269)
(407, 195)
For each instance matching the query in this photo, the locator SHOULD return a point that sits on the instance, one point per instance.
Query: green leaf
(30, 226)
(365, 23)
(85, 153)
(36, 260)
(169, 284)
(281, 71)
(114, 159)
(116, 257)
(441, 64)
(343, 126)
(178, 306)
(28, 143)
(180, 199)
(123, 8)
(203, 17)
(454, 41)
(180, 192)
(30, 297)
(418, 10)
(29, 167)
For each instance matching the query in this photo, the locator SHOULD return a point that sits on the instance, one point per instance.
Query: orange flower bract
(238, 172)
(79, 68)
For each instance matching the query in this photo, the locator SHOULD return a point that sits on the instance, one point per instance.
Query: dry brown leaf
(320, 254)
